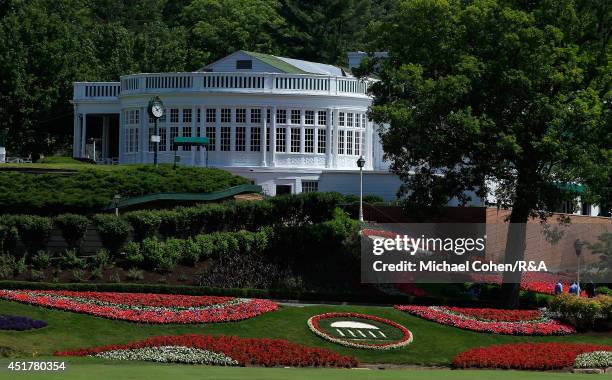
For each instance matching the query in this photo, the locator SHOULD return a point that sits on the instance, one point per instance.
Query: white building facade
(285, 124)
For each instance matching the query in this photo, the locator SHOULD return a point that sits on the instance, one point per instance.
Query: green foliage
(604, 290)
(350, 198)
(73, 228)
(9, 236)
(144, 223)
(603, 248)
(42, 259)
(578, 310)
(89, 190)
(101, 259)
(133, 253)
(33, 230)
(78, 275)
(112, 230)
(135, 274)
(69, 259)
(8, 266)
(37, 275)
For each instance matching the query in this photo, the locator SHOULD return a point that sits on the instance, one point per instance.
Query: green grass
(433, 344)
(94, 369)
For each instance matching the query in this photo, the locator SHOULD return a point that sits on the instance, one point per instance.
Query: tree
(218, 28)
(495, 91)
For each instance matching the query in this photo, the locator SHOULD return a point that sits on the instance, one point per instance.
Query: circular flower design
(360, 331)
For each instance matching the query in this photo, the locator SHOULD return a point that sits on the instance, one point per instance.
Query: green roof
(276, 63)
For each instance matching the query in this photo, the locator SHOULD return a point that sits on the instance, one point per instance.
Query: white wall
(383, 184)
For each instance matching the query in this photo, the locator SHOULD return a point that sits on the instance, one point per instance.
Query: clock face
(157, 110)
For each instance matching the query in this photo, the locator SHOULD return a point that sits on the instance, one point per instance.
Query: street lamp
(116, 200)
(360, 163)
(578, 244)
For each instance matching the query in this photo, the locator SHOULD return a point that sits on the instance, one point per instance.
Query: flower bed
(491, 320)
(169, 354)
(362, 341)
(595, 359)
(18, 323)
(535, 356)
(241, 351)
(149, 308)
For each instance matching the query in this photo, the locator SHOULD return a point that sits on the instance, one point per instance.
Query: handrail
(186, 197)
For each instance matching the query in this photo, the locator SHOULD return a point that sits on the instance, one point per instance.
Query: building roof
(294, 66)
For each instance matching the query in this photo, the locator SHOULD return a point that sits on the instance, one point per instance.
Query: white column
(328, 138)
(233, 130)
(302, 132)
(202, 127)
(105, 134)
(121, 136)
(194, 133)
(76, 138)
(368, 142)
(335, 142)
(264, 142)
(83, 151)
(143, 135)
(273, 137)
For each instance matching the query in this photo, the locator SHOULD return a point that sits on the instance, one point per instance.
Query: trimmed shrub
(581, 312)
(144, 223)
(70, 259)
(113, 231)
(604, 290)
(33, 231)
(72, 227)
(133, 253)
(101, 259)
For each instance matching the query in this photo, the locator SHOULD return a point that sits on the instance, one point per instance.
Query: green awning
(181, 141)
(571, 187)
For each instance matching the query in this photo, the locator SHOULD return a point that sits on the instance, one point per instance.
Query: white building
(289, 125)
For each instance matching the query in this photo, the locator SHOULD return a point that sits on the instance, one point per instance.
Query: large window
(295, 140)
(322, 137)
(174, 115)
(226, 115)
(225, 138)
(341, 119)
(340, 142)
(322, 118)
(349, 142)
(240, 115)
(255, 115)
(212, 138)
(211, 115)
(309, 117)
(163, 139)
(310, 186)
(187, 115)
(255, 139)
(349, 119)
(280, 139)
(240, 138)
(309, 140)
(281, 116)
(357, 143)
(295, 116)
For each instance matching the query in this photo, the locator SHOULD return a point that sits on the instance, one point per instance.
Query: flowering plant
(150, 308)
(169, 354)
(18, 323)
(508, 322)
(595, 359)
(536, 356)
(242, 351)
(313, 324)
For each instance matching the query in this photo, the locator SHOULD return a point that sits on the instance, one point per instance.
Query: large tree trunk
(516, 241)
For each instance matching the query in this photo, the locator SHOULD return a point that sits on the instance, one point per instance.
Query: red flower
(540, 356)
(246, 351)
(476, 320)
(150, 308)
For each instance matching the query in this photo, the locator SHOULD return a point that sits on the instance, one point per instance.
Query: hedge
(88, 190)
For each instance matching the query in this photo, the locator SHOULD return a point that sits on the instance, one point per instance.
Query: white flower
(170, 354)
(595, 359)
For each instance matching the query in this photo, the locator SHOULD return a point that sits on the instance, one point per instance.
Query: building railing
(222, 82)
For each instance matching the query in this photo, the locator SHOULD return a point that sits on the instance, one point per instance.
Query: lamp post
(116, 200)
(578, 244)
(360, 163)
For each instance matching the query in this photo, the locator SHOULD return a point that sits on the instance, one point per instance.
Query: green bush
(8, 266)
(37, 275)
(135, 274)
(581, 312)
(90, 189)
(9, 236)
(144, 223)
(604, 290)
(42, 259)
(78, 275)
(133, 253)
(72, 227)
(113, 231)
(33, 231)
(101, 259)
(70, 259)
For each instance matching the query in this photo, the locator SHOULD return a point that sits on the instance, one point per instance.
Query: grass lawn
(94, 369)
(433, 343)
